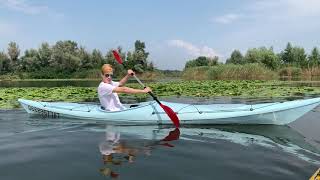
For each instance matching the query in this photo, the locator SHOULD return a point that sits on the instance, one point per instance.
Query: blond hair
(106, 68)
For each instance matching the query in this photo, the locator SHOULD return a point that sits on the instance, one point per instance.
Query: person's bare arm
(128, 90)
(125, 78)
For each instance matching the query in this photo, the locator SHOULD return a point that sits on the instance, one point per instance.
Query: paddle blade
(117, 56)
(172, 115)
(167, 144)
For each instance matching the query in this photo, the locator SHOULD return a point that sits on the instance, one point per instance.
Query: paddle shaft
(151, 94)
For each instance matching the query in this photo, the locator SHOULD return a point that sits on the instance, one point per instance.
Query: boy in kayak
(108, 89)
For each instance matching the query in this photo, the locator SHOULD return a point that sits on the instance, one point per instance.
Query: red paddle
(172, 115)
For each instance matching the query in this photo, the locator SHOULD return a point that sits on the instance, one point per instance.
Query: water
(37, 148)
(64, 149)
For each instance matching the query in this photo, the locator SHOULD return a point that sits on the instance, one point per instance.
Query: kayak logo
(43, 113)
(316, 175)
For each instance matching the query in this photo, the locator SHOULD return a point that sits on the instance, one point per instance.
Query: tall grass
(230, 72)
(150, 75)
(196, 73)
(296, 73)
(309, 72)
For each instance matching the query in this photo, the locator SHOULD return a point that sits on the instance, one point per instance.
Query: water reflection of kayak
(282, 135)
(128, 143)
(278, 113)
(115, 143)
(283, 138)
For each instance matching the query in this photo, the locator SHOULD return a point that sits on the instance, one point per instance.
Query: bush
(9, 76)
(250, 71)
(48, 73)
(230, 72)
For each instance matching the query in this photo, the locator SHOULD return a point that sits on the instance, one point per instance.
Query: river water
(39, 148)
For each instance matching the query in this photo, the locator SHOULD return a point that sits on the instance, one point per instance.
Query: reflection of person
(115, 151)
(106, 149)
(108, 89)
(108, 172)
(107, 146)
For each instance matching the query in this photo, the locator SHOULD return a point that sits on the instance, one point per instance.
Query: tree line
(293, 56)
(67, 57)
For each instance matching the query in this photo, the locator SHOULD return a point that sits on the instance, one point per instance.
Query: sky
(174, 31)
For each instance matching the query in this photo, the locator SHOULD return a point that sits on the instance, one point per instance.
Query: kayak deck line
(278, 113)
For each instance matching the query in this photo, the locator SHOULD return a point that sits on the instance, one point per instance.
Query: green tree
(97, 58)
(142, 55)
(252, 56)
(65, 56)
(294, 56)
(314, 57)
(85, 59)
(264, 56)
(4, 63)
(269, 58)
(201, 61)
(235, 58)
(13, 52)
(130, 62)
(300, 57)
(44, 53)
(287, 55)
(213, 61)
(30, 61)
(137, 60)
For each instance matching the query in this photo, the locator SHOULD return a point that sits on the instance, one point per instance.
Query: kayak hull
(278, 113)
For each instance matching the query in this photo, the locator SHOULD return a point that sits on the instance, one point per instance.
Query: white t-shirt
(108, 99)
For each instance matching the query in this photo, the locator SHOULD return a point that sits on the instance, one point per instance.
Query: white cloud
(304, 7)
(227, 18)
(192, 49)
(292, 8)
(23, 6)
(273, 11)
(26, 7)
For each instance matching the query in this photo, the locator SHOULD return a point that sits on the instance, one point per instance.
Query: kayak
(277, 113)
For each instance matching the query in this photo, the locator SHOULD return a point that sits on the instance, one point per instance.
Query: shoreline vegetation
(199, 89)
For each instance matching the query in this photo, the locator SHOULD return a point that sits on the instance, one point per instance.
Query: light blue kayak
(278, 113)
